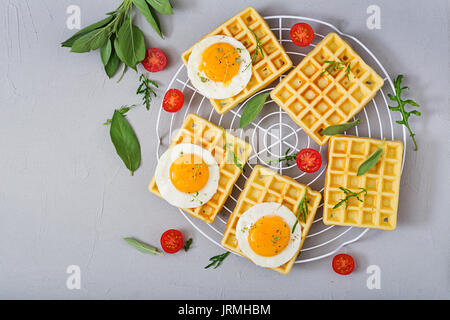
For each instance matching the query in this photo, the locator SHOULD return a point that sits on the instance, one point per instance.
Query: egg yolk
(220, 62)
(269, 236)
(189, 173)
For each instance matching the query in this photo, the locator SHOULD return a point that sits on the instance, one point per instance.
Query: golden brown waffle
(315, 100)
(382, 182)
(265, 70)
(199, 131)
(265, 185)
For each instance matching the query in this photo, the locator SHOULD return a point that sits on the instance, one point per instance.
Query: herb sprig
(118, 39)
(401, 107)
(302, 210)
(229, 153)
(349, 194)
(287, 157)
(335, 66)
(217, 260)
(146, 90)
(258, 46)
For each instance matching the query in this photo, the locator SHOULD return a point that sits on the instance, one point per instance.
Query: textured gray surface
(66, 198)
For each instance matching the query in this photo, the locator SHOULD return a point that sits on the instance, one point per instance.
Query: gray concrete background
(66, 198)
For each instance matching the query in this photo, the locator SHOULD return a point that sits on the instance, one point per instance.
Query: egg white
(249, 218)
(172, 194)
(217, 90)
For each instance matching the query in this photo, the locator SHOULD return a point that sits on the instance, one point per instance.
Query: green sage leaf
(142, 247)
(340, 128)
(130, 44)
(148, 15)
(113, 64)
(91, 41)
(162, 6)
(105, 52)
(252, 109)
(69, 42)
(371, 160)
(125, 141)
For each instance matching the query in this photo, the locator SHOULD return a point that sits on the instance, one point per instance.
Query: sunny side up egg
(187, 175)
(219, 67)
(264, 234)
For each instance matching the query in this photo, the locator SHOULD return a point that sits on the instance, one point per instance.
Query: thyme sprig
(217, 260)
(401, 107)
(302, 210)
(146, 90)
(335, 66)
(349, 194)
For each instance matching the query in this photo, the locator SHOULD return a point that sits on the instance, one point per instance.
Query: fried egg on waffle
(219, 67)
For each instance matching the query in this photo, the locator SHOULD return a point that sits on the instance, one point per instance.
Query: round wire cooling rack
(274, 133)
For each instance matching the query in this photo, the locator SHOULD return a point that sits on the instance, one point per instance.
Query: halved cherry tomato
(309, 160)
(173, 100)
(154, 60)
(172, 241)
(302, 34)
(343, 264)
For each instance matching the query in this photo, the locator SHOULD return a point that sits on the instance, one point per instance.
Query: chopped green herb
(335, 66)
(187, 245)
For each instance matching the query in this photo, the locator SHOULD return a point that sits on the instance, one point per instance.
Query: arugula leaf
(69, 42)
(401, 107)
(349, 194)
(302, 209)
(148, 15)
(217, 260)
(125, 141)
(162, 6)
(142, 247)
(146, 90)
(252, 109)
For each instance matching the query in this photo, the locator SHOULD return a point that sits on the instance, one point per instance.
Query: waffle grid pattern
(199, 131)
(265, 70)
(379, 207)
(314, 100)
(264, 185)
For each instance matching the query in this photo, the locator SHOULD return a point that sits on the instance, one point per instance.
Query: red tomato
(155, 60)
(309, 160)
(172, 241)
(173, 100)
(302, 34)
(343, 264)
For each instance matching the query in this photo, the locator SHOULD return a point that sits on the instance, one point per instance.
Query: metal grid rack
(279, 133)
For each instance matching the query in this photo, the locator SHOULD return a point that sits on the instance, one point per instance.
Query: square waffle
(265, 70)
(382, 182)
(197, 130)
(265, 185)
(315, 100)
